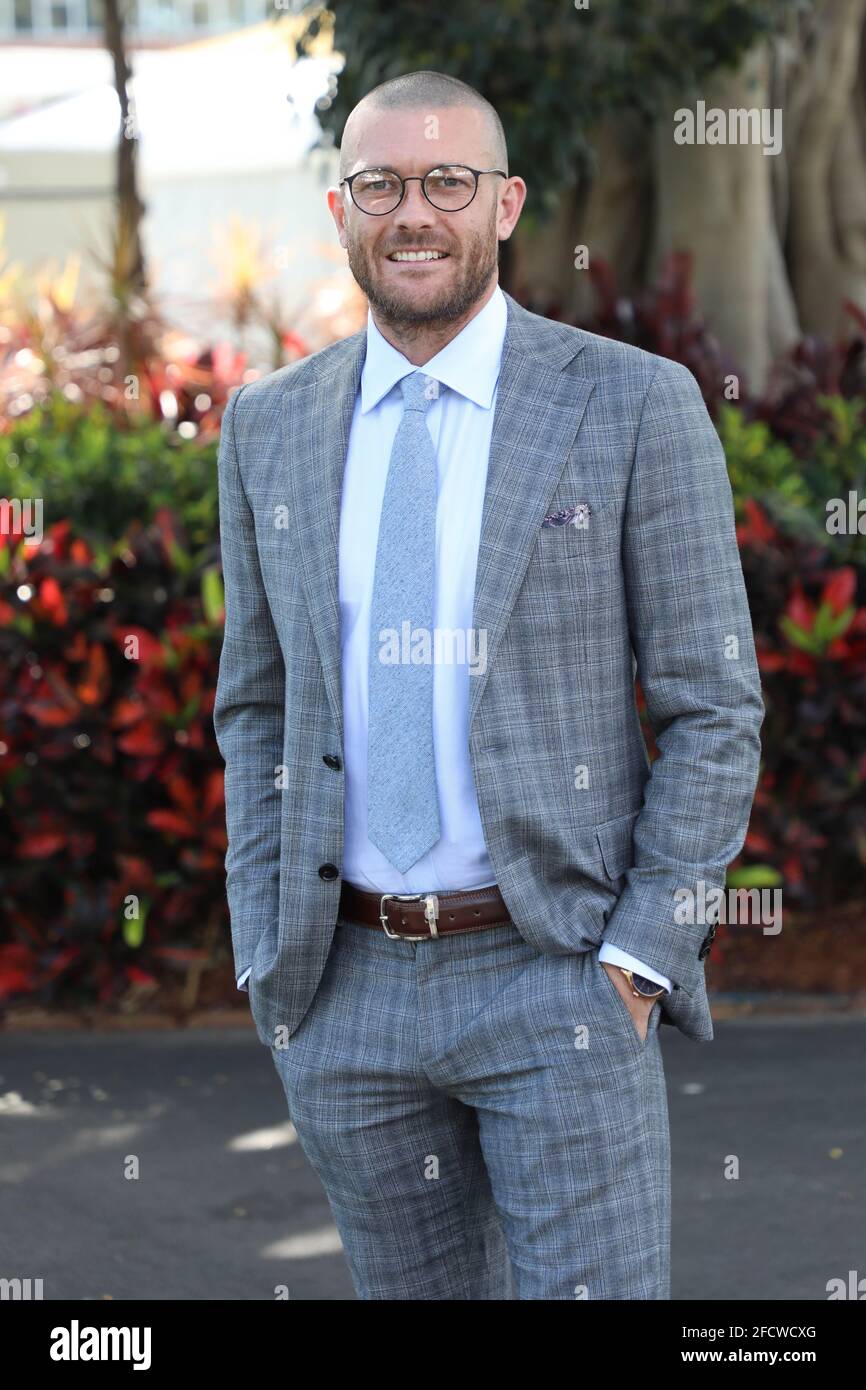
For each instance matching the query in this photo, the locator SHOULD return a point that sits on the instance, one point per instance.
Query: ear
(511, 199)
(337, 209)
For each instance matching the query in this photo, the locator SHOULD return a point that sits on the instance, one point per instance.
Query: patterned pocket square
(569, 516)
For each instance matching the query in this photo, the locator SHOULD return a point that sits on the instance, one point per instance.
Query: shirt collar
(469, 364)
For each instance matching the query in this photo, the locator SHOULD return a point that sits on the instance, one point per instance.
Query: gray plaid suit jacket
(586, 838)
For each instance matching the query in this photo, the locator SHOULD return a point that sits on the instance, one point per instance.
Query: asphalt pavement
(163, 1165)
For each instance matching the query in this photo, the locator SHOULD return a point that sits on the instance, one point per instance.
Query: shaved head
(426, 270)
(420, 91)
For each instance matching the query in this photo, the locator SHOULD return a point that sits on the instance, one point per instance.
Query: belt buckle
(431, 913)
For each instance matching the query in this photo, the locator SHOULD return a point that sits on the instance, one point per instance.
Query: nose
(414, 211)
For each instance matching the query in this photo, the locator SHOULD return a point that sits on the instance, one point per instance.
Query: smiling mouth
(416, 257)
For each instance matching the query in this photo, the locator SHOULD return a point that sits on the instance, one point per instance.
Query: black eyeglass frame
(418, 178)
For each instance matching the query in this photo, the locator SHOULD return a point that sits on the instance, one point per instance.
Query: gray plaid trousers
(485, 1120)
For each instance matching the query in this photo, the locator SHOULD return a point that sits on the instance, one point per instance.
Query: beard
(477, 263)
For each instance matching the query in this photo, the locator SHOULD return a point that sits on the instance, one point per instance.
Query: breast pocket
(597, 536)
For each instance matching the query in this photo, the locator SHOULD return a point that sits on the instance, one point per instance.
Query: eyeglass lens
(449, 188)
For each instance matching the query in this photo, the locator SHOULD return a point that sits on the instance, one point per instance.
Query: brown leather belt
(418, 916)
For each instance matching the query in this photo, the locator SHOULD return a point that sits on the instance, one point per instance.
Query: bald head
(421, 92)
(426, 270)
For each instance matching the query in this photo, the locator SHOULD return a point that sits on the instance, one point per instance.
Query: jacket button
(331, 760)
(328, 871)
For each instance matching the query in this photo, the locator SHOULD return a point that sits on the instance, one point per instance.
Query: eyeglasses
(449, 187)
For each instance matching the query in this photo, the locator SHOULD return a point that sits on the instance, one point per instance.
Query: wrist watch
(641, 987)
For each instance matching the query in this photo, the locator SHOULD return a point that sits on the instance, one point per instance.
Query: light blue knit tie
(402, 803)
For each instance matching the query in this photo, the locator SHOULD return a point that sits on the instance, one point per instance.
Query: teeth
(417, 256)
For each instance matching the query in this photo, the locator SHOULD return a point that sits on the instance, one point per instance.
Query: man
(449, 543)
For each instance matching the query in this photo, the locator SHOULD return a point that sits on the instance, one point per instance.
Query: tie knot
(419, 391)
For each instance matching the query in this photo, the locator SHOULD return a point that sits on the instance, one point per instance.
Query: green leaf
(212, 594)
(180, 559)
(133, 930)
(169, 879)
(754, 876)
(841, 623)
(799, 637)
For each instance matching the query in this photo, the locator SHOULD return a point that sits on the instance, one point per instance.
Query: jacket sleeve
(691, 632)
(248, 714)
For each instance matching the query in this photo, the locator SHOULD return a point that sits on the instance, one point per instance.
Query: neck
(419, 342)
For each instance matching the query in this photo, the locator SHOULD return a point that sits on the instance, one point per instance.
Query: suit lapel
(317, 421)
(538, 412)
(523, 471)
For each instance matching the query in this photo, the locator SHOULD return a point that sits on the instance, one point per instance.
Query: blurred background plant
(112, 822)
(110, 780)
(112, 830)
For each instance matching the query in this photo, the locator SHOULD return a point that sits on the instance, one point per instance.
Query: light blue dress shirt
(460, 421)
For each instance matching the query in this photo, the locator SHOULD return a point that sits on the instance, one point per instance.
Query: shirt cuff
(243, 979)
(607, 951)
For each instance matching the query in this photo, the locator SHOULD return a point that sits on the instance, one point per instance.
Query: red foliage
(809, 817)
(111, 783)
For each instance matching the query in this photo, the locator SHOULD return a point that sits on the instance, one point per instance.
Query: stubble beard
(479, 255)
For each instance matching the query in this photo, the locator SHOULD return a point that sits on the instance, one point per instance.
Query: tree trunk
(715, 201)
(542, 257)
(129, 270)
(778, 242)
(827, 170)
(617, 212)
(608, 211)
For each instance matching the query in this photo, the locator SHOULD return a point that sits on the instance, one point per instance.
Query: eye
(376, 180)
(450, 178)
